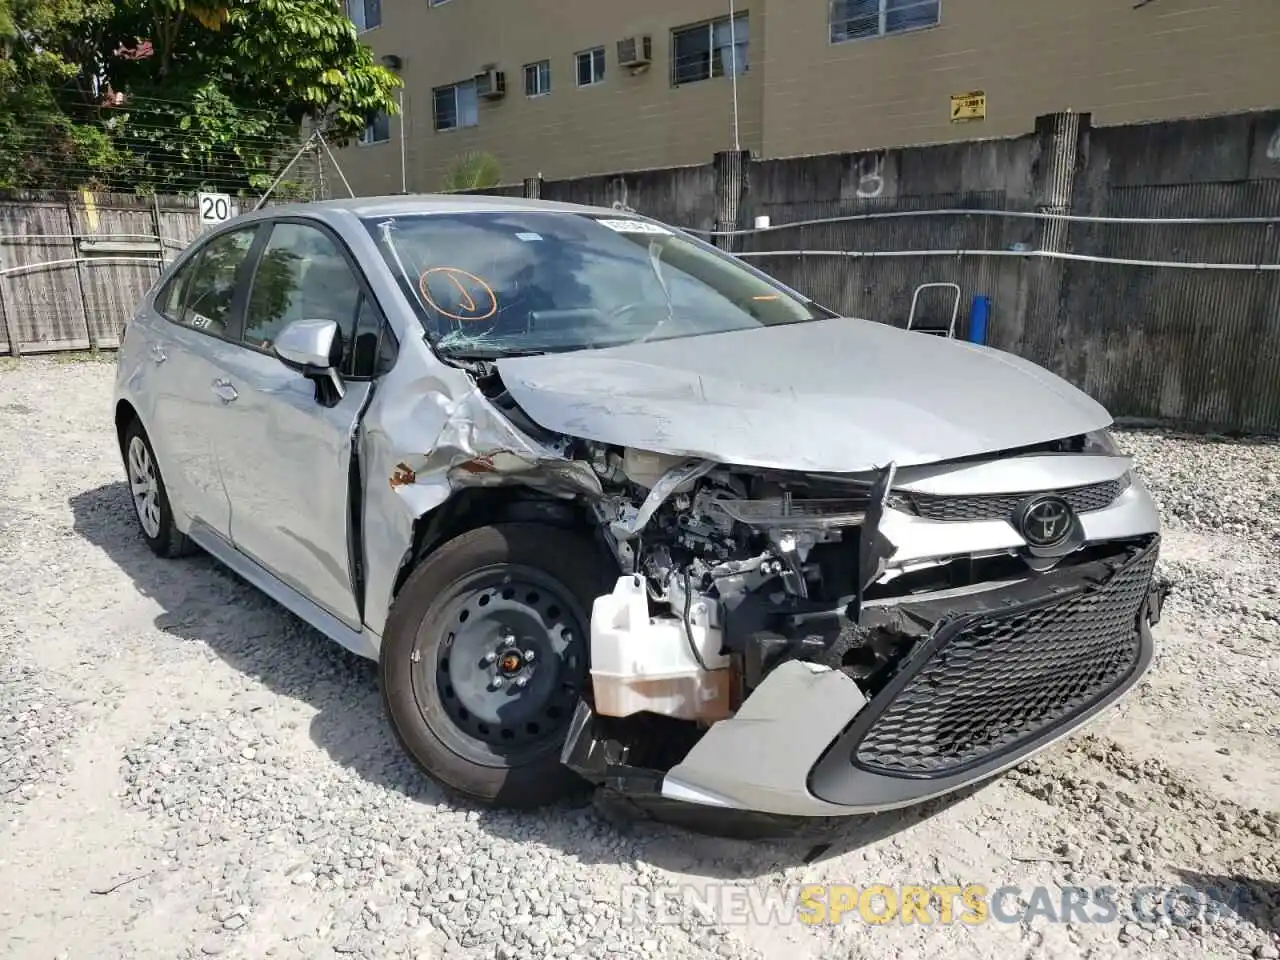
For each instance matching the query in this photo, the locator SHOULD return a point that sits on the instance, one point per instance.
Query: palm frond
(477, 170)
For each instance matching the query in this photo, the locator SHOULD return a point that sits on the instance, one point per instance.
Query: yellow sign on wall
(968, 106)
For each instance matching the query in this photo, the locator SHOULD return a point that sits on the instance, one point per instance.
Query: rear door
(285, 448)
(198, 323)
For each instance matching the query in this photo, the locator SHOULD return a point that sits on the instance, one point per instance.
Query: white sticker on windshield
(634, 226)
(528, 236)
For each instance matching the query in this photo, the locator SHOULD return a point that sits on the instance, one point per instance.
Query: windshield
(497, 284)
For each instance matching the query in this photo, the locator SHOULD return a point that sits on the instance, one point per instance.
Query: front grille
(1004, 677)
(1001, 506)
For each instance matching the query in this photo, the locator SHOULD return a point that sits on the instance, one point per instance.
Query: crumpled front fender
(429, 431)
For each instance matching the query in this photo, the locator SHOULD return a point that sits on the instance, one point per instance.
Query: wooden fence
(73, 267)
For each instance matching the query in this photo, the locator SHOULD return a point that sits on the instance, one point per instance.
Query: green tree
(472, 171)
(43, 44)
(175, 94)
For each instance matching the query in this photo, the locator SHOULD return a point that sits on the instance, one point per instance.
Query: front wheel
(485, 656)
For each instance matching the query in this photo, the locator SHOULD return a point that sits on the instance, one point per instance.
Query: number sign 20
(215, 208)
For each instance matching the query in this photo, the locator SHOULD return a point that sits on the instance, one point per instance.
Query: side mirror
(307, 346)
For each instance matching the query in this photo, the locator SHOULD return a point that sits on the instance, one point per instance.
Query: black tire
(164, 539)
(497, 746)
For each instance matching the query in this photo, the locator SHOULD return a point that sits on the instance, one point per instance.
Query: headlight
(1103, 443)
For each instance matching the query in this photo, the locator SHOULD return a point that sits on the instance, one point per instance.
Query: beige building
(567, 88)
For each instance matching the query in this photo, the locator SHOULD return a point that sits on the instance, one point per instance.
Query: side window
(200, 295)
(174, 294)
(302, 276)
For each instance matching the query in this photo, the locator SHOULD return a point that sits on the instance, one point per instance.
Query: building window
(590, 67)
(857, 19)
(378, 130)
(365, 14)
(714, 49)
(456, 105)
(537, 78)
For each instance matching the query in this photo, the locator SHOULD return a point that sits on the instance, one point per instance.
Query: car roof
(428, 203)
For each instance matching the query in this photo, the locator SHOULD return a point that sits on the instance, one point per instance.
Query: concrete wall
(683, 195)
(1199, 347)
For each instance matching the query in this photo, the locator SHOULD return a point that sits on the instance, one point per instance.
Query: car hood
(831, 396)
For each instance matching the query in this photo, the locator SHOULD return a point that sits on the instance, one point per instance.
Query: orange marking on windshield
(466, 299)
(771, 296)
(467, 303)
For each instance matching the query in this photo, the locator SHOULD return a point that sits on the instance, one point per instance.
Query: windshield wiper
(481, 352)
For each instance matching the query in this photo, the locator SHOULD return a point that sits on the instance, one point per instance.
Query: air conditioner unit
(491, 84)
(635, 51)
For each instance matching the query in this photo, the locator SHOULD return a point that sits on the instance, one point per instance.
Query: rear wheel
(485, 656)
(149, 496)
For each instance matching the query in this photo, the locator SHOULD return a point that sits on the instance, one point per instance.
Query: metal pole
(325, 143)
(733, 45)
(155, 219)
(404, 164)
(288, 166)
(80, 284)
(6, 328)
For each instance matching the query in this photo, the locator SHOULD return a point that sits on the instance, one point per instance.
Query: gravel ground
(188, 771)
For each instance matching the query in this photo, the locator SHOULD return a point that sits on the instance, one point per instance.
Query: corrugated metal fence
(1141, 262)
(864, 258)
(1179, 343)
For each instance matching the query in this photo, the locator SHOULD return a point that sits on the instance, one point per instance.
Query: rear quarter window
(173, 293)
(201, 293)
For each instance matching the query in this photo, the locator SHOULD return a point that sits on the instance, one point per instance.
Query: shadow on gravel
(204, 603)
(1255, 901)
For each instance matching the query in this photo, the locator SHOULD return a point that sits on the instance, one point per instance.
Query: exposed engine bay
(767, 559)
(729, 573)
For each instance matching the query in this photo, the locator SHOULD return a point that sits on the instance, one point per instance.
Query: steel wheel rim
(508, 723)
(145, 487)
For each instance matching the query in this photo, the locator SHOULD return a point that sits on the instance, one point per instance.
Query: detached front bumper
(999, 677)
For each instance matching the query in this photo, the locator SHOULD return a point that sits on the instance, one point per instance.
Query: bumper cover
(991, 685)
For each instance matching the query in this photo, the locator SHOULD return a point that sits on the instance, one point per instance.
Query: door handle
(224, 390)
(157, 353)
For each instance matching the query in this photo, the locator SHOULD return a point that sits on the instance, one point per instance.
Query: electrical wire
(688, 626)
(1031, 254)
(156, 152)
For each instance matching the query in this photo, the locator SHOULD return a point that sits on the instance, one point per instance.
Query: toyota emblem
(1046, 521)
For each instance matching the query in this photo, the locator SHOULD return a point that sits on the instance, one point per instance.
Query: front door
(284, 452)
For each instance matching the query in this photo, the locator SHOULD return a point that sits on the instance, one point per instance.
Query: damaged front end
(761, 651)
(829, 595)
(766, 648)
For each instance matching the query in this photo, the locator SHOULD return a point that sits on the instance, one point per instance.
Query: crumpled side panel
(426, 437)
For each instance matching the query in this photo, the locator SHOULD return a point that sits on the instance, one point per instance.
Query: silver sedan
(610, 506)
